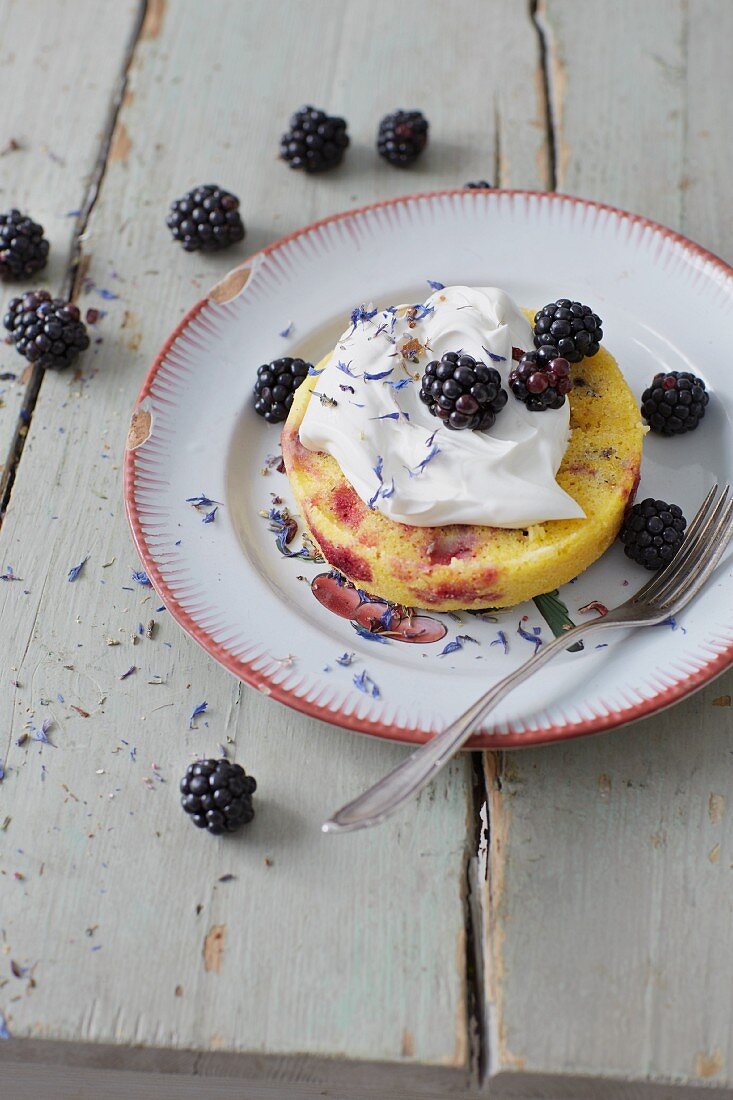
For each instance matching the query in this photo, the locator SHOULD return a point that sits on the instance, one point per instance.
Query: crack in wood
(75, 266)
(537, 18)
(686, 169)
(474, 923)
(497, 180)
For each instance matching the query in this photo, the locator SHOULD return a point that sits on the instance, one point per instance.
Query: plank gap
(71, 282)
(687, 167)
(476, 847)
(537, 18)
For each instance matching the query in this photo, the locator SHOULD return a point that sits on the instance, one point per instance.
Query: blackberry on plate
(478, 185)
(574, 329)
(463, 392)
(46, 330)
(218, 795)
(674, 403)
(402, 136)
(315, 141)
(541, 382)
(206, 219)
(23, 247)
(652, 532)
(276, 383)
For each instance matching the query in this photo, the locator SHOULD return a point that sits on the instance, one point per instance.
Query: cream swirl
(403, 461)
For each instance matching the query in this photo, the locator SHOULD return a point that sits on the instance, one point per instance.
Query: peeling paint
(213, 950)
(716, 808)
(121, 145)
(154, 15)
(708, 1064)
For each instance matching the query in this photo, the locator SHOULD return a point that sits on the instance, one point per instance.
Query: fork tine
(694, 579)
(684, 563)
(690, 536)
(713, 552)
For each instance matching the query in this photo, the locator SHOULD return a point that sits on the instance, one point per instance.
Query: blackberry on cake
(541, 382)
(206, 219)
(276, 383)
(429, 519)
(674, 403)
(478, 185)
(402, 137)
(23, 247)
(218, 795)
(47, 331)
(574, 329)
(314, 141)
(652, 532)
(463, 392)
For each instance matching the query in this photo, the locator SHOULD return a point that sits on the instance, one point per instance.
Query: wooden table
(587, 950)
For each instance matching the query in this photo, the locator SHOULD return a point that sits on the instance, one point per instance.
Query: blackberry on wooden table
(315, 141)
(47, 331)
(402, 137)
(206, 219)
(218, 795)
(23, 247)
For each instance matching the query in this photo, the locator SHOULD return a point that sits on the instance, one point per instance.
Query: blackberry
(652, 532)
(574, 329)
(23, 247)
(674, 403)
(276, 383)
(46, 330)
(478, 185)
(541, 383)
(218, 795)
(315, 141)
(206, 219)
(463, 392)
(402, 136)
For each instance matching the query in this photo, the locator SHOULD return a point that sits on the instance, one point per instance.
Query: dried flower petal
(196, 713)
(365, 684)
(76, 569)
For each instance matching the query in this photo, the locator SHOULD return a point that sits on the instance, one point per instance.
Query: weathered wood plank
(353, 948)
(610, 944)
(619, 115)
(57, 105)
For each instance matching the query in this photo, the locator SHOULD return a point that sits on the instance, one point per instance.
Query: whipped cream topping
(403, 461)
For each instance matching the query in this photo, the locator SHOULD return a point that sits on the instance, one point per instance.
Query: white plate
(666, 304)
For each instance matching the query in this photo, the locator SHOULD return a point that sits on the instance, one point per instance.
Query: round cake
(468, 566)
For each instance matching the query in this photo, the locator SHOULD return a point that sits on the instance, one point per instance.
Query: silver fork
(665, 595)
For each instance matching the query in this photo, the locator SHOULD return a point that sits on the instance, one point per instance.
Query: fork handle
(414, 773)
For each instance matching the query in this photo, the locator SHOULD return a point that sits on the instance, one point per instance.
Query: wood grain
(611, 946)
(317, 949)
(57, 105)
